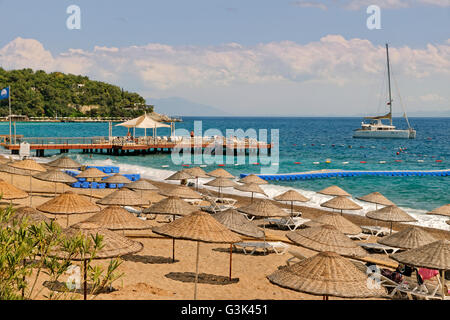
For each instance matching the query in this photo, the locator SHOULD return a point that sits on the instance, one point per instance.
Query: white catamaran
(376, 128)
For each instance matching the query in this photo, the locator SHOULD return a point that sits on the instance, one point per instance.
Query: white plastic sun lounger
(278, 247)
(378, 247)
(295, 214)
(377, 231)
(291, 223)
(359, 236)
(428, 290)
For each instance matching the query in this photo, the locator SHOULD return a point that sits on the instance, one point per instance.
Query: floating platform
(349, 173)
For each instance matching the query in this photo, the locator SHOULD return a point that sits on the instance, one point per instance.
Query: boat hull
(384, 134)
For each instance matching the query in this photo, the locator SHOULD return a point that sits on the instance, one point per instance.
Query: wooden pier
(141, 145)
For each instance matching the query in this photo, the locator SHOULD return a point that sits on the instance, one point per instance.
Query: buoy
(419, 160)
(398, 160)
(297, 162)
(345, 162)
(316, 162)
(363, 162)
(328, 161)
(256, 164)
(165, 166)
(382, 162)
(438, 160)
(203, 165)
(185, 165)
(221, 165)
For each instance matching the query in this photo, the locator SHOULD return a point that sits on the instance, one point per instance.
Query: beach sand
(150, 274)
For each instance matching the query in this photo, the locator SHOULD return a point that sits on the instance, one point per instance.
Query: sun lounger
(278, 247)
(296, 256)
(291, 223)
(428, 290)
(378, 247)
(377, 231)
(359, 236)
(226, 201)
(215, 207)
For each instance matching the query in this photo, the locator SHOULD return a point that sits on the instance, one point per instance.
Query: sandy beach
(150, 274)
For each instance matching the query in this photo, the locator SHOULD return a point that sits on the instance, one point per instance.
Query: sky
(248, 57)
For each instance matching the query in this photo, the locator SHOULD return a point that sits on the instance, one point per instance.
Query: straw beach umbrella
(174, 206)
(123, 197)
(342, 224)
(55, 176)
(263, 209)
(326, 274)
(390, 214)
(442, 211)
(117, 179)
(326, 238)
(377, 198)
(68, 203)
(435, 255)
(92, 173)
(236, 222)
(10, 192)
(142, 185)
(114, 245)
(334, 191)
(117, 218)
(220, 173)
(180, 175)
(341, 203)
(251, 187)
(182, 192)
(64, 163)
(291, 196)
(29, 214)
(201, 227)
(12, 171)
(253, 178)
(409, 238)
(221, 183)
(196, 172)
(31, 167)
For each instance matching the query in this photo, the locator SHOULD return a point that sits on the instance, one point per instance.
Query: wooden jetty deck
(121, 146)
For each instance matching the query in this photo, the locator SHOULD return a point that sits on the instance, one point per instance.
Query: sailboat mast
(389, 82)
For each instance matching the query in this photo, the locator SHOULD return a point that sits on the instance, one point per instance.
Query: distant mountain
(175, 106)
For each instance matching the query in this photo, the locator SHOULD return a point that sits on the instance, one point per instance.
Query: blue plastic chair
(85, 185)
(76, 185)
(112, 186)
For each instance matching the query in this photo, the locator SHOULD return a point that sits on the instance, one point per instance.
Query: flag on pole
(4, 94)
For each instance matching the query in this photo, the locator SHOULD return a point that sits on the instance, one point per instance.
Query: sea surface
(310, 141)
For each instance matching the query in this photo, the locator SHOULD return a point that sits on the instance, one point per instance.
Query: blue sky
(190, 29)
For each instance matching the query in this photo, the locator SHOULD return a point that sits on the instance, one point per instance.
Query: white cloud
(332, 59)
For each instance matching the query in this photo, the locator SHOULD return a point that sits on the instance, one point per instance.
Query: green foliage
(39, 94)
(28, 250)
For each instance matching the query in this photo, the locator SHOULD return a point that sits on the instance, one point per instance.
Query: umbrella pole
(85, 279)
(264, 225)
(67, 224)
(231, 257)
(31, 192)
(442, 274)
(292, 209)
(55, 189)
(252, 197)
(197, 184)
(390, 232)
(196, 271)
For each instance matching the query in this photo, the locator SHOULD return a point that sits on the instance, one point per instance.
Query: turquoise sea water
(308, 140)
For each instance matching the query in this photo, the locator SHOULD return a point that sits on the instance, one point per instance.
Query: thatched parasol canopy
(236, 222)
(117, 179)
(390, 214)
(29, 165)
(435, 255)
(141, 184)
(196, 172)
(180, 175)
(326, 238)
(263, 208)
(171, 205)
(117, 218)
(250, 187)
(123, 197)
(114, 245)
(198, 226)
(182, 192)
(10, 192)
(8, 169)
(376, 197)
(326, 274)
(291, 195)
(64, 163)
(342, 224)
(29, 214)
(55, 175)
(253, 178)
(334, 191)
(220, 173)
(222, 183)
(409, 238)
(92, 173)
(68, 203)
(341, 203)
(442, 211)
